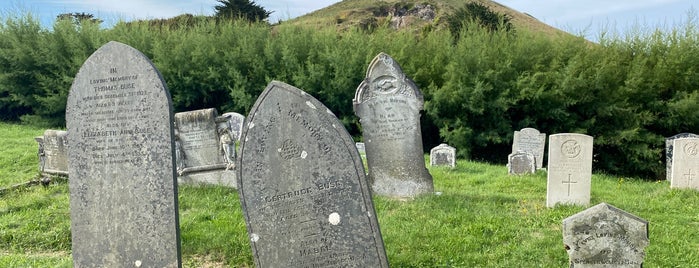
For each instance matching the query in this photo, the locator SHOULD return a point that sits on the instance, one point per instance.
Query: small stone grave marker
(53, 152)
(532, 141)
(205, 148)
(669, 149)
(443, 155)
(388, 104)
(302, 186)
(569, 169)
(520, 163)
(123, 190)
(605, 236)
(361, 148)
(685, 163)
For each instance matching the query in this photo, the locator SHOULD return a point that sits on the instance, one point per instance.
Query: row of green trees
(628, 92)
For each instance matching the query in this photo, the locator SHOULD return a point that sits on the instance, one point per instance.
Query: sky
(580, 17)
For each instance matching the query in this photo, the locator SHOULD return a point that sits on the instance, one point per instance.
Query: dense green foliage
(243, 9)
(627, 92)
(474, 12)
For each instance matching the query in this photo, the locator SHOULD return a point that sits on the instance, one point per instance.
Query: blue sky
(587, 17)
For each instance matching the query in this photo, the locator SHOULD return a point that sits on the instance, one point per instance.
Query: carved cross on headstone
(690, 176)
(569, 182)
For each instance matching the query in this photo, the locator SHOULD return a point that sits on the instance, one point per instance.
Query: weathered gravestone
(669, 149)
(532, 141)
(443, 155)
(685, 163)
(388, 104)
(236, 121)
(361, 148)
(302, 186)
(569, 169)
(205, 148)
(123, 191)
(605, 236)
(520, 163)
(53, 152)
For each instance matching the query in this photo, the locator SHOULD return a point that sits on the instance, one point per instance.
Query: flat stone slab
(302, 186)
(123, 189)
(605, 236)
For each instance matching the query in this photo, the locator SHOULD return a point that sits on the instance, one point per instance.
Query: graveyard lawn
(481, 217)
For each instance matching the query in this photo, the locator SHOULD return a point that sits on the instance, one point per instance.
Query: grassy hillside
(481, 218)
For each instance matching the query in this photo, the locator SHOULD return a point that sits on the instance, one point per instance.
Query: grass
(481, 217)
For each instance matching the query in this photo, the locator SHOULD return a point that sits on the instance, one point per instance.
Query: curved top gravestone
(388, 104)
(302, 186)
(123, 191)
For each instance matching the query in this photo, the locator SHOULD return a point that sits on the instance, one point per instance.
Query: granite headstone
(443, 155)
(669, 149)
(302, 186)
(569, 169)
(605, 236)
(53, 152)
(685, 163)
(520, 163)
(123, 191)
(388, 104)
(532, 141)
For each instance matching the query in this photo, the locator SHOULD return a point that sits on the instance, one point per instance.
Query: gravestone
(443, 155)
(361, 148)
(205, 148)
(685, 163)
(302, 186)
(520, 163)
(53, 152)
(569, 169)
(123, 191)
(669, 151)
(236, 121)
(605, 236)
(388, 104)
(532, 141)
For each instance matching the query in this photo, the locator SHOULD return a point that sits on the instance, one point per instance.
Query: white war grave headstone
(532, 141)
(569, 169)
(123, 190)
(685, 163)
(669, 149)
(53, 152)
(205, 148)
(302, 186)
(388, 105)
(605, 236)
(443, 155)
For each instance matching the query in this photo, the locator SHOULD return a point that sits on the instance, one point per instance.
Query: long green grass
(478, 217)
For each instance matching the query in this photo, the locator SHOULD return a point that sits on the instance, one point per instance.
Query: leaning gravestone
(388, 105)
(685, 163)
(123, 192)
(669, 149)
(236, 121)
(520, 163)
(605, 236)
(53, 152)
(569, 169)
(205, 148)
(443, 155)
(302, 186)
(532, 141)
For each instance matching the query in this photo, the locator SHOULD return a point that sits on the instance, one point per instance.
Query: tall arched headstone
(388, 104)
(302, 186)
(123, 188)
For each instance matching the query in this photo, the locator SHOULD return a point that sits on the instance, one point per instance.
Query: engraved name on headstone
(123, 191)
(388, 104)
(205, 148)
(302, 186)
(53, 152)
(532, 141)
(685, 163)
(605, 236)
(669, 149)
(520, 163)
(443, 155)
(569, 169)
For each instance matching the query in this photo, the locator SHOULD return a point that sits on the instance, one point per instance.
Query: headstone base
(216, 177)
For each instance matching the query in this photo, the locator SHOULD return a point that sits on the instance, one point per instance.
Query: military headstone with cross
(569, 169)
(685, 163)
